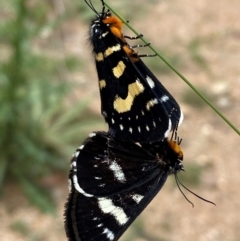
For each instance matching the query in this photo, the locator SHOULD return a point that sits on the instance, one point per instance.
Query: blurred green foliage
(193, 177)
(39, 128)
(22, 228)
(138, 231)
(159, 67)
(195, 51)
(194, 100)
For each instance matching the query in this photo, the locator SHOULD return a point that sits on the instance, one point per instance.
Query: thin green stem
(178, 73)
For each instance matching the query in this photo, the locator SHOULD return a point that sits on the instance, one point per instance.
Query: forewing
(133, 110)
(168, 102)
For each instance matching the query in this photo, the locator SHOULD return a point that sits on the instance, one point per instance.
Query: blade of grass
(177, 72)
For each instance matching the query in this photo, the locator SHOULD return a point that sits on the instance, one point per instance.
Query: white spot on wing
(147, 128)
(113, 121)
(92, 134)
(73, 164)
(169, 128)
(137, 198)
(150, 82)
(110, 234)
(181, 118)
(117, 171)
(164, 98)
(138, 144)
(130, 130)
(121, 127)
(81, 147)
(76, 154)
(78, 188)
(106, 205)
(139, 129)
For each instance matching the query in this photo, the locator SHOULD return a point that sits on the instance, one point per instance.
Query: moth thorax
(176, 149)
(115, 25)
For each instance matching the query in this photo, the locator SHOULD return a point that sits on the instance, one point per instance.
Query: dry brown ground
(207, 140)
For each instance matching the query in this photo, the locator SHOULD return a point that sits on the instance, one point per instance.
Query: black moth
(111, 182)
(136, 106)
(115, 175)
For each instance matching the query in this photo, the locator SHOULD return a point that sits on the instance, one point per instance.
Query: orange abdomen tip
(176, 148)
(131, 54)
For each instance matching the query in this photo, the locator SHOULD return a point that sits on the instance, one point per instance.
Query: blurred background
(49, 102)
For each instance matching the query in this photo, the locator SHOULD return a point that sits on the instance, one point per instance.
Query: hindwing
(111, 182)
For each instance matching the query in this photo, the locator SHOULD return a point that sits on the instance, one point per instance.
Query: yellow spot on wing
(102, 84)
(112, 49)
(124, 105)
(151, 103)
(99, 57)
(119, 69)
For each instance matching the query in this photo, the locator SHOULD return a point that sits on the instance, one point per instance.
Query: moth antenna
(179, 141)
(196, 195)
(177, 180)
(172, 134)
(103, 7)
(90, 5)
